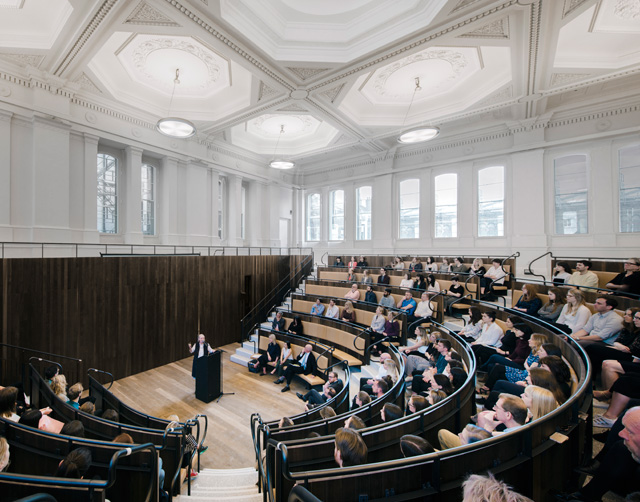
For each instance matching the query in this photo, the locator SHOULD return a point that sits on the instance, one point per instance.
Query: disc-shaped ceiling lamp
(416, 134)
(175, 127)
(279, 163)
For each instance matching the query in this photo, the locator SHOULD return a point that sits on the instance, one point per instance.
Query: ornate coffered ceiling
(339, 75)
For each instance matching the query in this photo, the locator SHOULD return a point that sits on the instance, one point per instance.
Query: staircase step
(238, 359)
(248, 346)
(244, 352)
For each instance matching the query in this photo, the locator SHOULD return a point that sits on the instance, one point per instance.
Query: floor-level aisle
(171, 390)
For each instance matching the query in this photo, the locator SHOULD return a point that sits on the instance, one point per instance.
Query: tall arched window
(107, 194)
(363, 213)
(491, 202)
(148, 199)
(336, 215)
(313, 217)
(629, 165)
(570, 185)
(446, 211)
(221, 201)
(409, 197)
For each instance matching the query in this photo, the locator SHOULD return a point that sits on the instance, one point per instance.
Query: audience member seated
(362, 399)
(473, 329)
(435, 396)
(423, 311)
(88, 407)
(354, 422)
(509, 411)
(124, 438)
(495, 275)
(390, 412)
(379, 388)
(333, 384)
(529, 302)
(623, 390)
(407, 281)
(366, 278)
(351, 275)
(286, 356)
(50, 372)
(454, 293)
(470, 434)
(285, 422)
(111, 415)
(628, 282)
(398, 264)
(317, 308)
(271, 356)
(477, 268)
(430, 380)
(378, 320)
(348, 312)
(619, 469)
(59, 387)
(539, 401)
(444, 267)
(278, 322)
(370, 296)
(353, 293)
(416, 403)
(392, 327)
(418, 356)
(305, 364)
(458, 266)
(551, 310)
(40, 419)
(626, 346)
(412, 446)
(433, 286)
(488, 489)
(415, 265)
(73, 428)
(490, 338)
(4, 454)
(562, 273)
(353, 263)
(583, 276)
(515, 345)
(338, 262)
(73, 395)
(333, 311)
(295, 328)
(362, 262)
(408, 304)
(75, 465)
(350, 448)
(458, 376)
(603, 326)
(575, 313)
(9, 403)
(383, 278)
(387, 300)
(420, 283)
(431, 265)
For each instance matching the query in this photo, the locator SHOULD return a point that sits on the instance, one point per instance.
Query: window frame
(618, 151)
(555, 195)
(400, 209)
(151, 202)
(478, 201)
(332, 214)
(308, 217)
(358, 214)
(222, 192)
(116, 184)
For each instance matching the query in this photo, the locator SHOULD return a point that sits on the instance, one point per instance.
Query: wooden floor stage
(170, 390)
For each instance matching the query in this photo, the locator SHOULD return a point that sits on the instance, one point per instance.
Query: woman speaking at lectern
(199, 349)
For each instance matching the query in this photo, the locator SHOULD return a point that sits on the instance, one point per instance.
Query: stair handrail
(38, 497)
(182, 430)
(528, 270)
(104, 373)
(274, 297)
(125, 452)
(325, 255)
(300, 494)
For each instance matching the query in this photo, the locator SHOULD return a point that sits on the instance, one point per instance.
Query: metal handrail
(38, 497)
(111, 479)
(40, 352)
(104, 373)
(182, 429)
(528, 270)
(300, 494)
(155, 247)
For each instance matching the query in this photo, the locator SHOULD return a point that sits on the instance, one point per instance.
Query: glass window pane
(221, 183)
(363, 216)
(147, 174)
(491, 202)
(409, 224)
(446, 200)
(313, 217)
(336, 208)
(107, 197)
(630, 189)
(570, 180)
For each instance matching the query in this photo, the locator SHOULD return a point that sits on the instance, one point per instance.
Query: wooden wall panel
(129, 314)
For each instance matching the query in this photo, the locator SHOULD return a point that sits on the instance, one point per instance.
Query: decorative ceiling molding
(265, 92)
(412, 46)
(292, 107)
(495, 29)
(86, 83)
(559, 79)
(306, 73)
(463, 4)
(102, 13)
(593, 81)
(333, 93)
(627, 9)
(146, 15)
(497, 97)
(24, 59)
(571, 5)
(343, 140)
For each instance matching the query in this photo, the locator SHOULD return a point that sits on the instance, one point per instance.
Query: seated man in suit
(305, 364)
(314, 397)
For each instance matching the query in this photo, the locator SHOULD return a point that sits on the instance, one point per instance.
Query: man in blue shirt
(408, 304)
(317, 308)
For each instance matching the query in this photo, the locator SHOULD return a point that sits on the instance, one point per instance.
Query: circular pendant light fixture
(175, 127)
(416, 134)
(277, 163)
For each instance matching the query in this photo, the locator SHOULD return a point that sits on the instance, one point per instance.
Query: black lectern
(208, 377)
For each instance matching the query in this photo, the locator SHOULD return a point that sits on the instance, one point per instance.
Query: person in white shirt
(423, 310)
(332, 310)
(489, 340)
(406, 282)
(377, 323)
(583, 276)
(495, 275)
(575, 313)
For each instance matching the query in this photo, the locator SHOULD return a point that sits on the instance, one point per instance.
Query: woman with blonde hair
(529, 302)
(398, 264)
(488, 489)
(366, 278)
(575, 313)
(539, 401)
(59, 387)
(477, 267)
(391, 368)
(348, 313)
(4, 453)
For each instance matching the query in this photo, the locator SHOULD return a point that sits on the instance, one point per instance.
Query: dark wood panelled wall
(129, 314)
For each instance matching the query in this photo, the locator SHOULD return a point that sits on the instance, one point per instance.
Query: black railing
(260, 312)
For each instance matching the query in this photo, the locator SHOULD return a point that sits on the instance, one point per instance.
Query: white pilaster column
(197, 204)
(6, 233)
(131, 197)
(383, 212)
(234, 191)
(167, 205)
(214, 178)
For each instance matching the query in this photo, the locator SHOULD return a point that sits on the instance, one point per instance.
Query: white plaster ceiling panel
(606, 38)
(451, 80)
(140, 70)
(303, 133)
(35, 24)
(329, 31)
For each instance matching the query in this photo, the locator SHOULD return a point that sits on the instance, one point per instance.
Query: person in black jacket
(305, 364)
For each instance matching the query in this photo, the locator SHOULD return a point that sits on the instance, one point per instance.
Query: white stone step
(245, 352)
(238, 359)
(244, 476)
(256, 497)
(249, 346)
